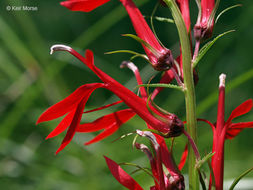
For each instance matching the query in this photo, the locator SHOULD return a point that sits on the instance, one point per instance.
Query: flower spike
(225, 130)
(137, 104)
(74, 106)
(160, 57)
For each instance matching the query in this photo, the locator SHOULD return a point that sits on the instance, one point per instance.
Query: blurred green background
(31, 80)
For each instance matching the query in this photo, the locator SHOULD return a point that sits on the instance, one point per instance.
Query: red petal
(116, 118)
(236, 128)
(242, 109)
(121, 176)
(184, 8)
(83, 5)
(67, 104)
(183, 158)
(137, 104)
(107, 132)
(63, 125)
(142, 29)
(111, 124)
(208, 122)
(103, 107)
(77, 118)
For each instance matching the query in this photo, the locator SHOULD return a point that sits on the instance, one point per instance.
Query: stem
(196, 51)
(189, 89)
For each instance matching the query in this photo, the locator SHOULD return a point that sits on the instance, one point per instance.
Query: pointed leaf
(123, 51)
(146, 170)
(225, 10)
(135, 54)
(239, 178)
(69, 103)
(200, 163)
(207, 46)
(121, 176)
(83, 5)
(146, 44)
(242, 109)
(163, 19)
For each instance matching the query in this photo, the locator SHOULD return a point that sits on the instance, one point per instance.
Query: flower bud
(204, 26)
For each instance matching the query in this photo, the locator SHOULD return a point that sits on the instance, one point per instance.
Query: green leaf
(239, 178)
(122, 51)
(225, 10)
(212, 175)
(162, 85)
(200, 163)
(153, 50)
(130, 52)
(146, 170)
(152, 23)
(207, 46)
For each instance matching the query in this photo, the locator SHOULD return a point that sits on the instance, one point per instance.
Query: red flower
(225, 130)
(121, 176)
(184, 8)
(83, 5)
(161, 180)
(75, 103)
(160, 57)
(204, 26)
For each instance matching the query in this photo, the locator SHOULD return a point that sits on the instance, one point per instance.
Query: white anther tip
(59, 47)
(222, 80)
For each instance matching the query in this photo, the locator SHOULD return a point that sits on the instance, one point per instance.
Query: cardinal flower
(161, 58)
(225, 130)
(204, 26)
(74, 105)
(161, 180)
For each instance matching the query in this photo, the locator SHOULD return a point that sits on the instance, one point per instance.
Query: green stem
(189, 89)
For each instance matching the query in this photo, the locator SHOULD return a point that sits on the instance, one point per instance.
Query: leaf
(131, 52)
(212, 181)
(207, 46)
(204, 160)
(163, 19)
(239, 178)
(146, 170)
(225, 10)
(153, 50)
(162, 85)
(123, 51)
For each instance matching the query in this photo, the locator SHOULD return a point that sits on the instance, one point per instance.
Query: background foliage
(31, 80)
